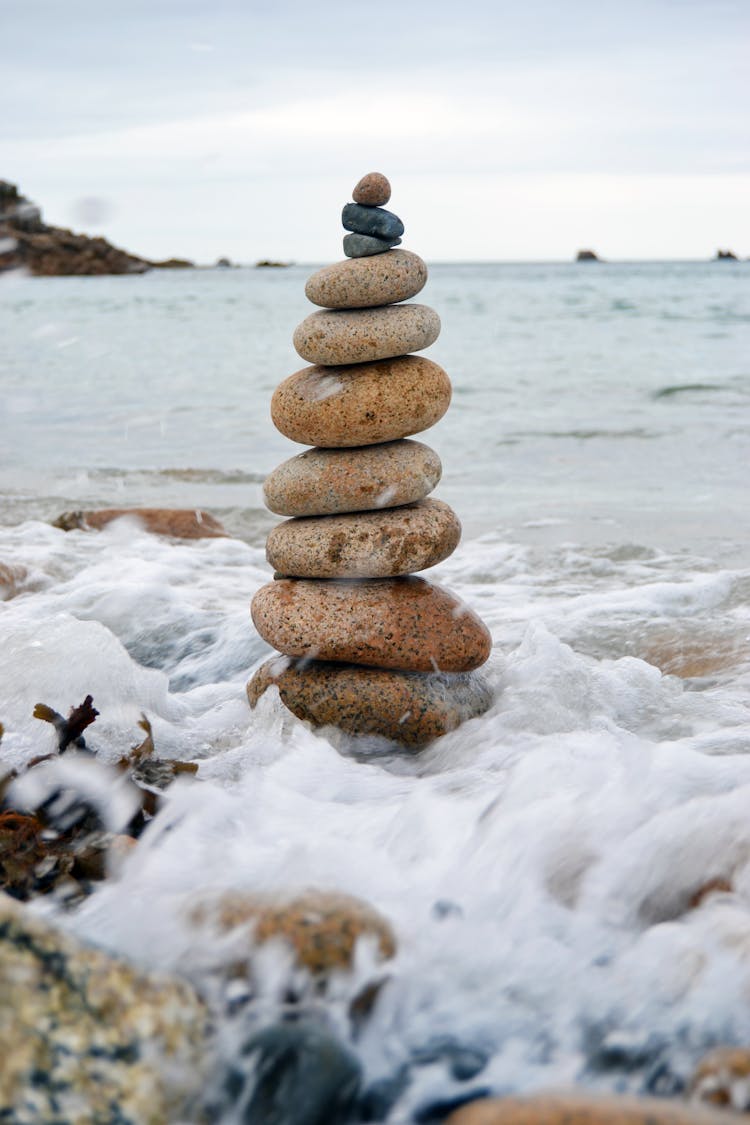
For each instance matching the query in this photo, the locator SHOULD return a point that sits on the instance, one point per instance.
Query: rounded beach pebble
(404, 623)
(406, 707)
(585, 1109)
(342, 407)
(344, 336)
(373, 190)
(364, 245)
(373, 221)
(324, 482)
(359, 283)
(365, 544)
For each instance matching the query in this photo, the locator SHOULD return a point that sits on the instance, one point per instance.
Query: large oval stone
(343, 407)
(585, 1109)
(371, 220)
(412, 708)
(363, 283)
(365, 544)
(404, 623)
(343, 336)
(324, 482)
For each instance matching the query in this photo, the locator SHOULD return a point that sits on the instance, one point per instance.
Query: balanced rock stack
(373, 649)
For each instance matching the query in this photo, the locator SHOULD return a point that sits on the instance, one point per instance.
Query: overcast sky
(513, 129)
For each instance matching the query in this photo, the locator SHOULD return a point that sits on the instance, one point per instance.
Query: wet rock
(407, 707)
(374, 221)
(324, 482)
(587, 256)
(365, 544)
(722, 1078)
(364, 246)
(346, 336)
(12, 579)
(583, 1109)
(82, 1033)
(404, 623)
(343, 407)
(373, 190)
(188, 523)
(366, 282)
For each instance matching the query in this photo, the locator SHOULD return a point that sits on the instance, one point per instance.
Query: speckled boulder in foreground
(411, 708)
(85, 1039)
(365, 544)
(343, 407)
(585, 1109)
(330, 338)
(359, 283)
(327, 482)
(403, 623)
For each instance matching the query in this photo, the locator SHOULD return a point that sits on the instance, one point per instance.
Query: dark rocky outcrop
(587, 256)
(726, 256)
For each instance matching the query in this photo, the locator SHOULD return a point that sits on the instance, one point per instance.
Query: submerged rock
(722, 1078)
(188, 523)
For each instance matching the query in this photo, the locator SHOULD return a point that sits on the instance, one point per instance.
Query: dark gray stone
(364, 245)
(375, 221)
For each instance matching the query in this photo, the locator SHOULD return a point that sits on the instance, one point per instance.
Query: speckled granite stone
(404, 623)
(179, 523)
(411, 708)
(345, 336)
(585, 1109)
(364, 246)
(374, 221)
(342, 407)
(365, 544)
(82, 1033)
(363, 283)
(373, 190)
(324, 482)
(722, 1077)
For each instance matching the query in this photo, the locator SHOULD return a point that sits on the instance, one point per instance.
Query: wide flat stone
(365, 544)
(404, 623)
(375, 221)
(364, 245)
(343, 407)
(359, 283)
(330, 338)
(325, 482)
(408, 707)
(373, 190)
(586, 1109)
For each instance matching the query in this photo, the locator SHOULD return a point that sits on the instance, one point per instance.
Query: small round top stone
(373, 190)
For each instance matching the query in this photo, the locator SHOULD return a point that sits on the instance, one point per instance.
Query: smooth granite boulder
(404, 623)
(345, 336)
(379, 544)
(324, 482)
(359, 283)
(343, 407)
(364, 245)
(373, 190)
(374, 221)
(411, 708)
(585, 1109)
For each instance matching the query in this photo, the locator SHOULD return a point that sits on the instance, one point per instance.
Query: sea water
(541, 864)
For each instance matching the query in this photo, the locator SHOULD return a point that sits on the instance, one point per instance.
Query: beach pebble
(364, 245)
(343, 407)
(324, 482)
(404, 623)
(365, 544)
(358, 283)
(406, 707)
(331, 338)
(373, 190)
(722, 1078)
(585, 1109)
(189, 523)
(374, 221)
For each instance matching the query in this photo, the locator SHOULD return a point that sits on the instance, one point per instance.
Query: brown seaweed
(69, 730)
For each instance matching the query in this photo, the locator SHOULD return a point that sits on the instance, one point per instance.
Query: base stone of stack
(404, 623)
(405, 707)
(327, 482)
(359, 283)
(364, 404)
(342, 336)
(365, 544)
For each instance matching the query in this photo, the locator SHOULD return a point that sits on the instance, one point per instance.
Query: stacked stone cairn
(367, 646)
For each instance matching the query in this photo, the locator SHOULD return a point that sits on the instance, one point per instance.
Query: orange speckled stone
(358, 283)
(373, 190)
(585, 1109)
(324, 482)
(722, 1077)
(404, 623)
(361, 405)
(344, 336)
(365, 544)
(411, 708)
(180, 523)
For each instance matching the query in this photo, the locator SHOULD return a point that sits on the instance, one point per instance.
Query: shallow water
(538, 864)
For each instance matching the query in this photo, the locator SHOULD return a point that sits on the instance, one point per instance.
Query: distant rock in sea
(173, 264)
(266, 263)
(725, 256)
(587, 256)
